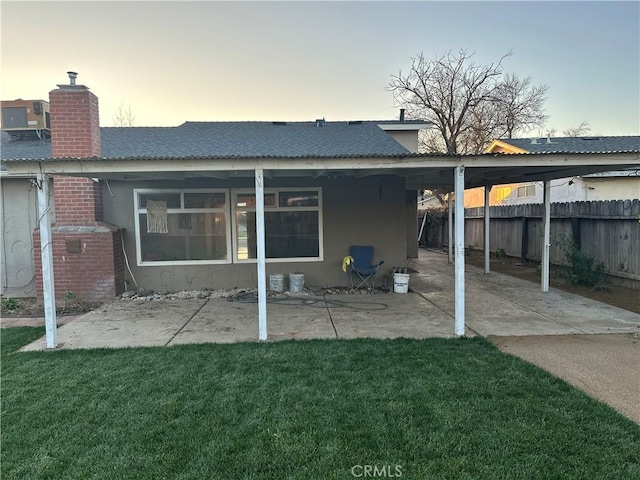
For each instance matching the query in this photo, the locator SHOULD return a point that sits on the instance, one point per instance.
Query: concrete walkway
(606, 367)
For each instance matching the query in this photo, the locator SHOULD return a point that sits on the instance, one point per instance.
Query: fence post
(575, 231)
(524, 242)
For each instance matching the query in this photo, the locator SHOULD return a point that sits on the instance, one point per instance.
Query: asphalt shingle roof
(577, 144)
(231, 139)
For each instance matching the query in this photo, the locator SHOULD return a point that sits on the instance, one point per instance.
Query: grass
(436, 408)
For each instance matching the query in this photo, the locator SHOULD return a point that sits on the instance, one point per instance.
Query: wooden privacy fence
(607, 231)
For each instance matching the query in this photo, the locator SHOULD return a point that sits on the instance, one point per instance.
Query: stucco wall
(408, 139)
(18, 217)
(369, 211)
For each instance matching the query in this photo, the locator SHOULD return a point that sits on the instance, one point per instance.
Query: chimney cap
(72, 86)
(72, 77)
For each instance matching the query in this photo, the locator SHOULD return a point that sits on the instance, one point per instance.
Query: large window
(182, 227)
(203, 226)
(292, 221)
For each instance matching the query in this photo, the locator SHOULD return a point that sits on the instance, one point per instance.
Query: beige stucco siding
(367, 211)
(18, 217)
(407, 138)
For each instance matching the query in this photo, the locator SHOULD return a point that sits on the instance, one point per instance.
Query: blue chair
(362, 267)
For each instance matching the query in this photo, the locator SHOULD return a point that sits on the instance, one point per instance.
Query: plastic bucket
(296, 282)
(276, 282)
(400, 282)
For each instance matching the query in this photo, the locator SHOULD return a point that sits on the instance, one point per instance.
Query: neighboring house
(197, 230)
(614, 185)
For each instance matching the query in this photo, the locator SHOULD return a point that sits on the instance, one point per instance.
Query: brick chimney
(75, 122)
(75, 133)
(87, 255)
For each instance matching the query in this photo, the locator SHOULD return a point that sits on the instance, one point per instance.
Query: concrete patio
(496, 305)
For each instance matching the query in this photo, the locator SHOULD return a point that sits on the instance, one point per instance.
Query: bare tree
(579, 131)
(430, 140)
(123, 116)
(520, 105)
(468, 104)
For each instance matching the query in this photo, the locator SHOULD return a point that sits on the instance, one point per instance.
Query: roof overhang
(421, 171)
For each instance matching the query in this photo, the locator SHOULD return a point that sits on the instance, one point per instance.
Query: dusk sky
(217, 61)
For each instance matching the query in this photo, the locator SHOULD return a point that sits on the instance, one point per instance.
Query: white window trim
(231, 228)
(525, 189)
(138, 210)
(234, 208)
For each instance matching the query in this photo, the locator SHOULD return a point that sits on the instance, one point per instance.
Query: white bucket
(400, 282)
(296, 282)
(276, 282)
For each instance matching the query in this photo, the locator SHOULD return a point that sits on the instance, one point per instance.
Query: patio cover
(422, 171)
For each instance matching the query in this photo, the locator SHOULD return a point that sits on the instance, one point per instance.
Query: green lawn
(313, 410)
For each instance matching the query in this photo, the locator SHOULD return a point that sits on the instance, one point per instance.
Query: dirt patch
(618, 296)
(30, 307)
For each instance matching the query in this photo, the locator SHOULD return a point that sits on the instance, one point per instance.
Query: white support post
(546, 217)
(450, 226)
(262, 282)
(487, 236)
(459, 252)
(46, 255)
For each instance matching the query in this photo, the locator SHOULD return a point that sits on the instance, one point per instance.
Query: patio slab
(388, 316)
(124, 324)
(496, 304)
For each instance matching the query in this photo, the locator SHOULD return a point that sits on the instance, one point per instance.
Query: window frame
(502, 193)
(137, 210)
(526, 189)
(229, 211)
(277, 208)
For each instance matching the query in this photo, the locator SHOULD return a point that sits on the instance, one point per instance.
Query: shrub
(10, 304)
(583, 269)
(501, 253)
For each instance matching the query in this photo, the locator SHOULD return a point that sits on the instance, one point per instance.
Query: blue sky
(177, 61)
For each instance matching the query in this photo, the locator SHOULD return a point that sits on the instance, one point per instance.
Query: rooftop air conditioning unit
(26, 118)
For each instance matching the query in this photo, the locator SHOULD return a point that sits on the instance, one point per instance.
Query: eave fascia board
(94, 167)
(407, 127)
